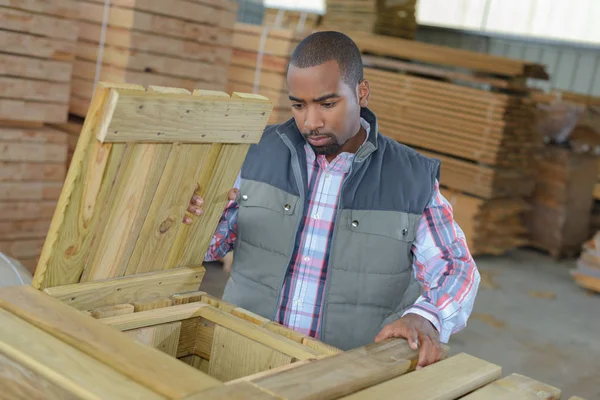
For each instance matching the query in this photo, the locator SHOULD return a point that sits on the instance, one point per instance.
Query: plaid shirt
(442, 262)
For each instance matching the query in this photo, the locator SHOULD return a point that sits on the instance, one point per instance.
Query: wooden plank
(112, 311)
(343, 374)
(179, 9)
(20, 383)
(163, 221)
(149, 367)
(22, 249)
(447, 379)
(32, 171)
(187, 337)
(234, 355)
(62, 364)
(137, 117)
(203, 342)
(175, 48)
(324, 348)
(64, 8)
(10, 191)
(37, 24)
(445, 56)
(23, 210)
(22, 88)
(32, 152)
(155, 317)
(240, 391)
(80, 206)
(89, 295)
(126, 209)
(32, 111)
(251, 331)
(250, 316)
(35, 46)
(515, 387)
(164, 337)
(185, 298)
(197, 362)
(136, 20)
(34, 68)
(151, 304)
(218, 303)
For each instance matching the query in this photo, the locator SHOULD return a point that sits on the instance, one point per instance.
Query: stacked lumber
(175, 43)
(563, 200)
(32, 170)
(260, 66)
(60, 353)
(37, 39)
(289, 19)
(587, 272)
(384, 17)
(470, 110)
(396, 18)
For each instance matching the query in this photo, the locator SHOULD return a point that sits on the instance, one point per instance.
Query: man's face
(326, 109)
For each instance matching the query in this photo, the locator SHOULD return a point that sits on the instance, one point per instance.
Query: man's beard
(323, 150)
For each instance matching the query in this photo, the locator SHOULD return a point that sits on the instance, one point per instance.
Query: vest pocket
(389, 224)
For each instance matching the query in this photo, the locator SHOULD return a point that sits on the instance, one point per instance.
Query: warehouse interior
(505, 93)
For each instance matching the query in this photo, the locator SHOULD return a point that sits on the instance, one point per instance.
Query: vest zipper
(299, 180)
(333, 238)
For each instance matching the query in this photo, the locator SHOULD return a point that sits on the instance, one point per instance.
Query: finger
(187, 220)
(197, 200)
(233, 194)
(385, 333)
(413, 339)
(195, 210)
(424, 354)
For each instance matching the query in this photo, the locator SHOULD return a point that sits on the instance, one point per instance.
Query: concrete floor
(529, 318)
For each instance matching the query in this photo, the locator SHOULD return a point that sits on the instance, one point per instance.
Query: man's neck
(351, 146)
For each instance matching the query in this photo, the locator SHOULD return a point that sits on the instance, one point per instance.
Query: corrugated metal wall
(572, 67)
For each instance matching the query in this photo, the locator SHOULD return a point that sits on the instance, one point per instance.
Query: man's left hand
(419, 333)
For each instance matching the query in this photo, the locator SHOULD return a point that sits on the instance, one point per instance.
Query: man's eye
(297, 106)
(328, 105)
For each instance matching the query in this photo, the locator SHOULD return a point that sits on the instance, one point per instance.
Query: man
(339, 232)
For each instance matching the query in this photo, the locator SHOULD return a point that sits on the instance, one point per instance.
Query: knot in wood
(165, 225)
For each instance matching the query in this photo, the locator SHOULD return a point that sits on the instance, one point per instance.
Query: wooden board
(89, 239)
(183, 44)
(38, 44)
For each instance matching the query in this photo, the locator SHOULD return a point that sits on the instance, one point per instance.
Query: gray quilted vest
(370, 280)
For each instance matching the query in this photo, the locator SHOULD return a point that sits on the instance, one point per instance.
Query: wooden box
(49, 351)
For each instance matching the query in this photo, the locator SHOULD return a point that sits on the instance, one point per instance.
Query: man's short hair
(320, 47)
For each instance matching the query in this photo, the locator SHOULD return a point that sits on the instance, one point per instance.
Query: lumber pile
(61, 353)
(290, 19)
(587, 272)
(384, 17)
(38, 41)
(260, 66)
(175, 43)
(470, 110)
(560, 218)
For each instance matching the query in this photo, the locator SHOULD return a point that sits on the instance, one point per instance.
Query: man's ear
(364, 91)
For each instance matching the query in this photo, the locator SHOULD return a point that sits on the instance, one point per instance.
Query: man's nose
(313, 120)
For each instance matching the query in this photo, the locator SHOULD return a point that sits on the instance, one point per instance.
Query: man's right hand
(196, 203)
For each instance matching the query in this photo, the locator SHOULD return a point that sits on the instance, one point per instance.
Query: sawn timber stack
(176, 43)
(473, 112)
(259, 64)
